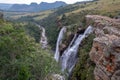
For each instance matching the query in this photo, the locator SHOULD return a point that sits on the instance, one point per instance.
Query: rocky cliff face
(105, 51)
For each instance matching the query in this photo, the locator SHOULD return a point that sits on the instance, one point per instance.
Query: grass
(36, 15)
(103, 6)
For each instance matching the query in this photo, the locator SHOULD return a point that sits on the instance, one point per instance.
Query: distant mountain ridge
(4, 6)
(34, 7)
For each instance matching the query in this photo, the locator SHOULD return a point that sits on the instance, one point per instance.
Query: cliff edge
(105, 51)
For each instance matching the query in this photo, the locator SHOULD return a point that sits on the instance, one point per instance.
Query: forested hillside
(21, 58)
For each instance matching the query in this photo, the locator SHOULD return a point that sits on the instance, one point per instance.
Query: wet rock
(80, 31)
(54, 77)
(62, 48)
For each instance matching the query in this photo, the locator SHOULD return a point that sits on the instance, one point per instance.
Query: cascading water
(43, 39)
(59, 41)
(69, 56)
(71, 43)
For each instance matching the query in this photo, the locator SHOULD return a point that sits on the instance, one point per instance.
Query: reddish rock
(105, 51)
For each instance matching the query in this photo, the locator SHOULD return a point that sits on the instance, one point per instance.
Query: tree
(1, 15)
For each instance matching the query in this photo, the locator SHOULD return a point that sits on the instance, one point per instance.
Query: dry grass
(36, 15)
(104, 6)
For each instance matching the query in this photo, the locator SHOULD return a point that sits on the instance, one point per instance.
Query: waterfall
(69, 56)
(59, 41)
(71, 43)
(43, 39)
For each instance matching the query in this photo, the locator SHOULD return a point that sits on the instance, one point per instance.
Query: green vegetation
(20, 57)
(51, 26)
(74, 13)
(33, 30)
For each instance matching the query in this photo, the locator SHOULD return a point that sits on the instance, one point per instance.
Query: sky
(37, 1)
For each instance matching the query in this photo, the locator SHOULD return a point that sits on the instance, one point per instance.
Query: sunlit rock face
(105, 51)
(104, 55)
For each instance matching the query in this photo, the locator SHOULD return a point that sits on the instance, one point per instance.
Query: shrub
(21, 58)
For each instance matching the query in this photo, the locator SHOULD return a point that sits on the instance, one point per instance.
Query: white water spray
(69, 57)
(59, 41)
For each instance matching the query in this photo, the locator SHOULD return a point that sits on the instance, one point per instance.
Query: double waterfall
(69, 56)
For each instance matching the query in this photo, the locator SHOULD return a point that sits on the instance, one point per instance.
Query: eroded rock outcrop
(105, 51)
